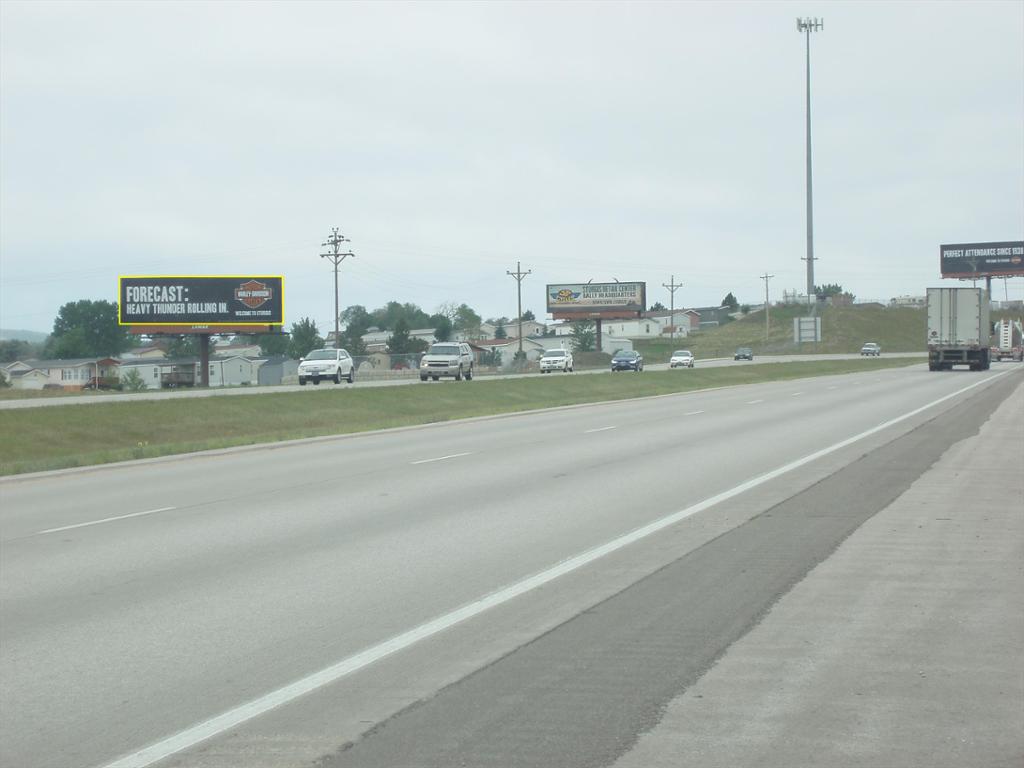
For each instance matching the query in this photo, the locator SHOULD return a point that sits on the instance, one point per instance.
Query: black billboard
(192, 300)
(975, 260)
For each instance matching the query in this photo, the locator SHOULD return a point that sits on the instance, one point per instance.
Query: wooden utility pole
(766, 277)
(519, 275)
(672, 287)
(336, 257)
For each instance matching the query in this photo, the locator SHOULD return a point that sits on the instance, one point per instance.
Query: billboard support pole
(204, 359)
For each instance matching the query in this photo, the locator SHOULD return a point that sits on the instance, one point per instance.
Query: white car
(556, 360)
(333, 364)
(447, 358)
(682, 358)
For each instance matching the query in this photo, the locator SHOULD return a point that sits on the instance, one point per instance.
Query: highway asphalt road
(79, 399)
(549, 588)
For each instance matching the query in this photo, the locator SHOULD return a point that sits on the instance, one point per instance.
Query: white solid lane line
(232, 718)
(106, 520)
(441, 458)
(599, 429)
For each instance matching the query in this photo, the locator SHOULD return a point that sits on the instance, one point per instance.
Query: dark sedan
(743, 353)
(627, 361)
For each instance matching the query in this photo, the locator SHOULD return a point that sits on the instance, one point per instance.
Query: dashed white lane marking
(599, 429)
(106, 520)
(796, 394)
(441, 458)
(232, 718)
(833, 387)
(754, 402)
(692, 413)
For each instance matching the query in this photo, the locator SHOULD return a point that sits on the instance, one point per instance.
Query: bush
(132, 381)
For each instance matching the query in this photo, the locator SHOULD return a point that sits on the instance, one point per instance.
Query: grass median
(56, 437)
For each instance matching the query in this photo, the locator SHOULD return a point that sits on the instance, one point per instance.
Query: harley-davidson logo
(254, 294)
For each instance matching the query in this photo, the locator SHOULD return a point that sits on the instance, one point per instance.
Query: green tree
(87, 328)
(305, 337)
(500, 332)
(831, 289)
(185, 345)
(387, 317)
(528, 315)
(400, 342)
(443, 329)
(273, 344)
(467, 321)
(658, 307)
(132, 381)
(357, 321)
(730, 302)
(14, 349)
(583, 336)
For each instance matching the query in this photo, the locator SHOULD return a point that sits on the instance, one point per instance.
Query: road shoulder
(902, 649)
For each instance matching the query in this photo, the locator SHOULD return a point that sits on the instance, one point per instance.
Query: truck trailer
(1007, 341)
(958, 328)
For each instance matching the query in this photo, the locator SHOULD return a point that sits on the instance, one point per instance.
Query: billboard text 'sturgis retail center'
(170, 300)
(569, 299)
(977, 260)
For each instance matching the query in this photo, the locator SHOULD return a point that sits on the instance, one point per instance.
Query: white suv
(447, 358)
(556, 360)
(333, 364)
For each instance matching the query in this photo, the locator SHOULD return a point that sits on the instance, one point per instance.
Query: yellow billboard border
(204, 325)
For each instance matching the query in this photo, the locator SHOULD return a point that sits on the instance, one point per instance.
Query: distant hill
(844, 329)
(33, 337)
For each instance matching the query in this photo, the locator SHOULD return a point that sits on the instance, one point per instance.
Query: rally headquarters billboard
(597, 297)
(218, 300)
(977, 260)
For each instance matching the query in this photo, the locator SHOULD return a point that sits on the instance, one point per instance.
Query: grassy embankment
(843, 330)
(80, 435)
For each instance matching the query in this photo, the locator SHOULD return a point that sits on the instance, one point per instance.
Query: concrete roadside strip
(905, 648)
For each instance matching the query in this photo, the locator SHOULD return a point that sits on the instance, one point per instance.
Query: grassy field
(843, 330)
(80, 435)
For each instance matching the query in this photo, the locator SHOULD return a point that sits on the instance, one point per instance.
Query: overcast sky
(586, 140)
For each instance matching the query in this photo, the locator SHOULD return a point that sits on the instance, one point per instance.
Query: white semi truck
(958, 328)
(1007, 340)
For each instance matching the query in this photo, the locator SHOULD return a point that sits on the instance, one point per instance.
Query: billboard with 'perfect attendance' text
(198, 300)
(976, 260)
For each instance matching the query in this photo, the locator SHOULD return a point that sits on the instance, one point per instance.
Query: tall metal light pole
(519, 275)
(335, 255)
(766, 277)
(806, 26)
(672, 286)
